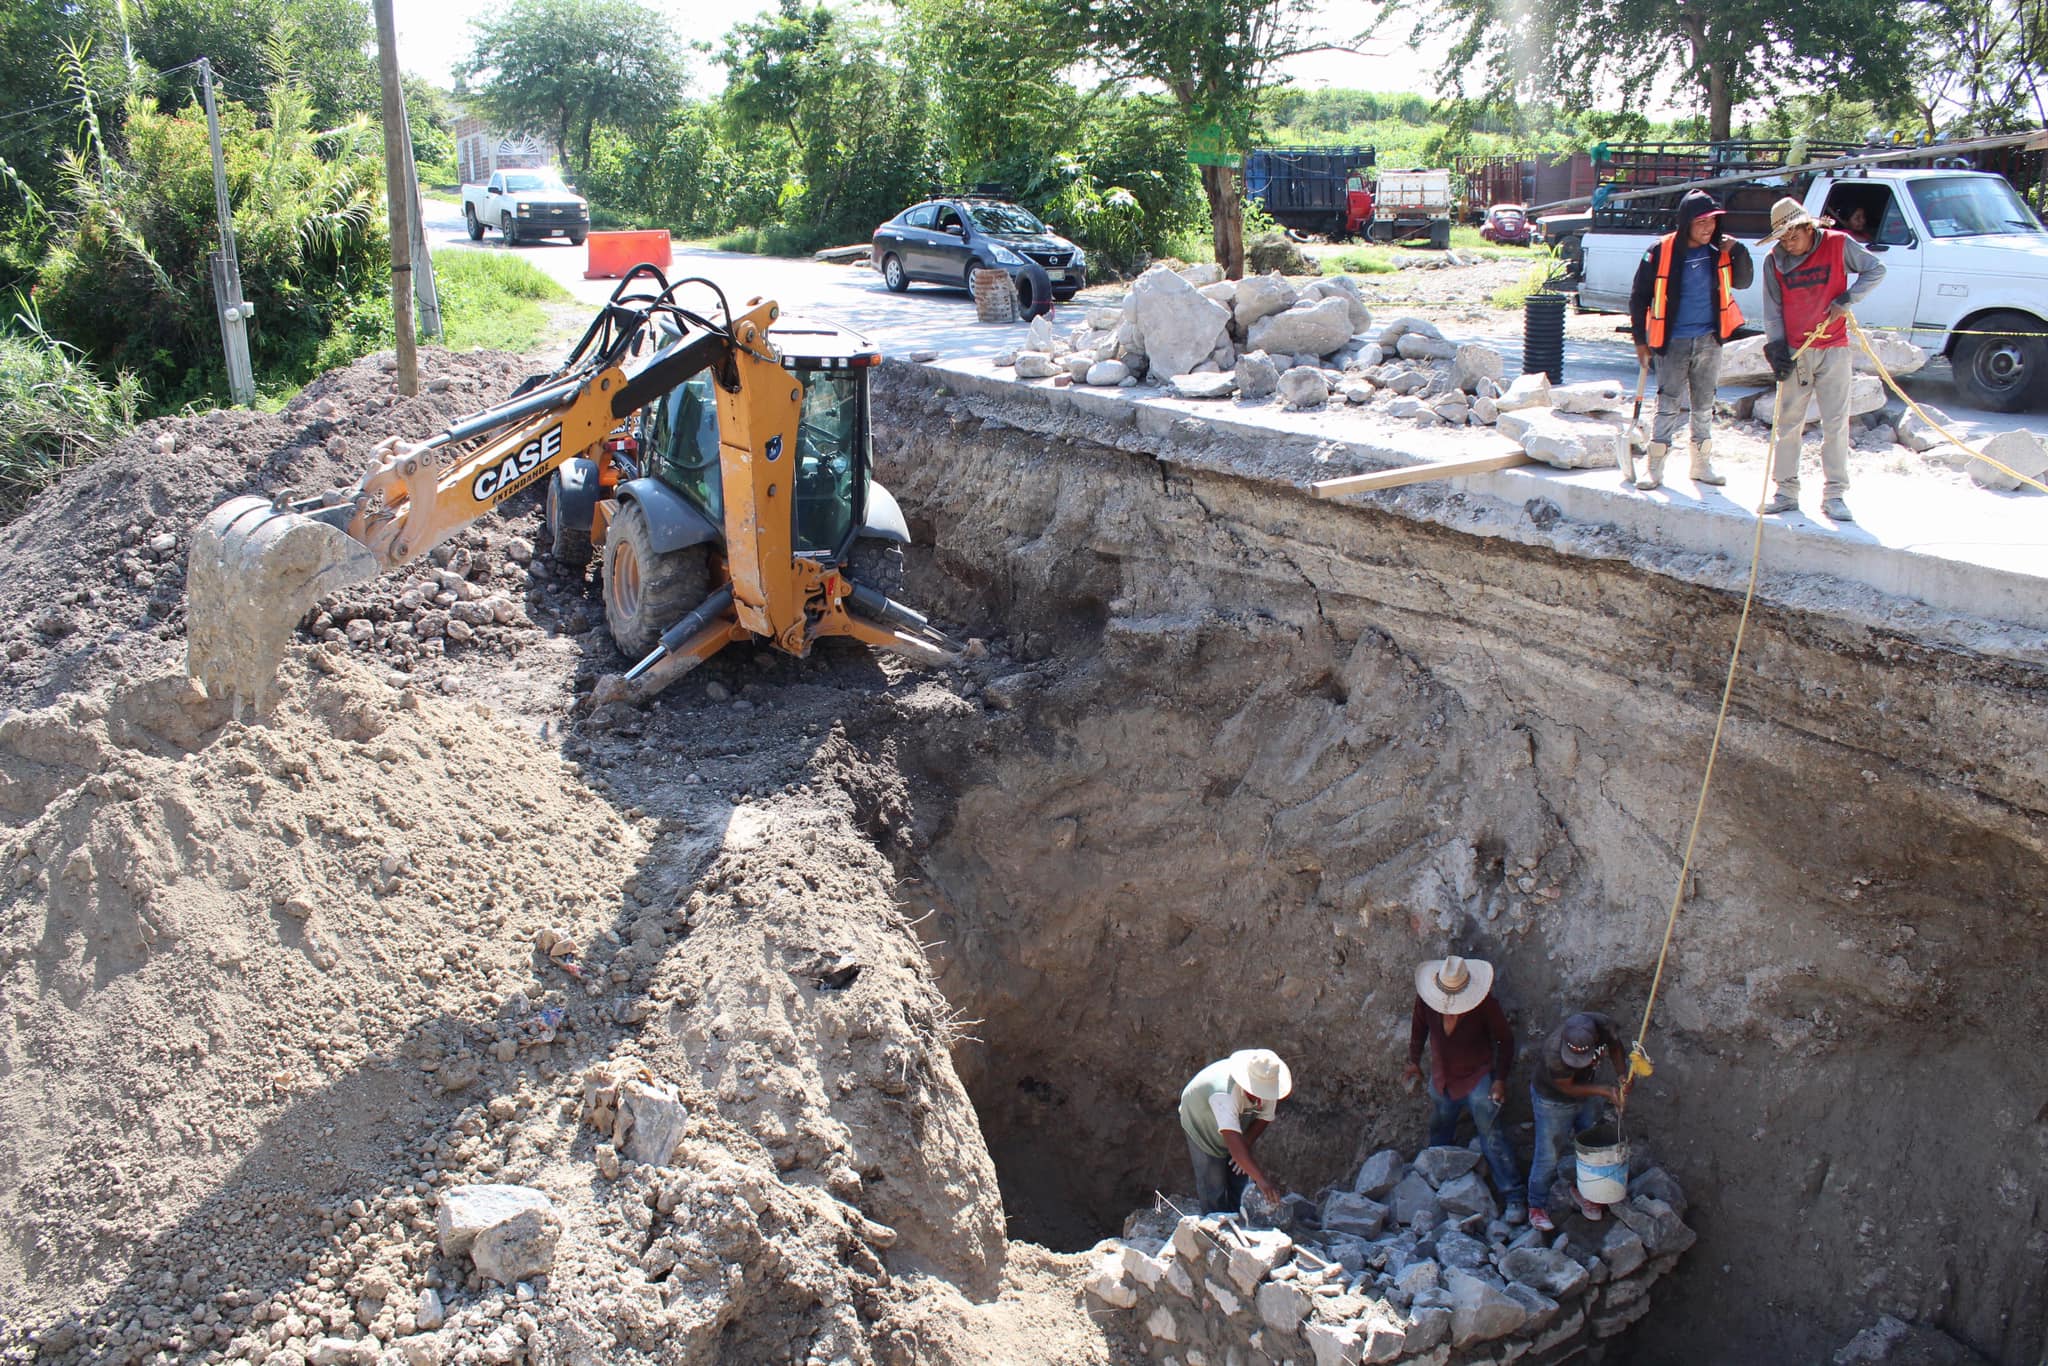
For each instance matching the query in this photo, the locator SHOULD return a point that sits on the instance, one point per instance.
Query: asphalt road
(931, 318)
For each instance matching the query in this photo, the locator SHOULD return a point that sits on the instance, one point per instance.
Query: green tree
(1214, 57)
(36, 96)
(566, 68)
(327, 42)
(1583, 51)
(857, 114)
(1005, 107)
(1977, 65)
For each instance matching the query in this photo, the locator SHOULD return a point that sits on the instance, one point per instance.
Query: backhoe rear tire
(645, 593)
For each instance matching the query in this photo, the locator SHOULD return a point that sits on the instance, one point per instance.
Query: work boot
(1781, 501)
(1836, 508)
(1653, 472)
(1516, 1212)
(1703, 471)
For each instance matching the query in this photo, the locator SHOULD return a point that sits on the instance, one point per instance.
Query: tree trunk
(1720, 107)
(1226, 219)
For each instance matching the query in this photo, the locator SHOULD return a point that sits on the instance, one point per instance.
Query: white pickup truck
(1965, 262)
(525, 205)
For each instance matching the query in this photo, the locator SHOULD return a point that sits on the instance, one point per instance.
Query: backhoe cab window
(832, 463)
(685, 442)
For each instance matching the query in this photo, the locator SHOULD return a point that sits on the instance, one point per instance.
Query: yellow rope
(1863, 340)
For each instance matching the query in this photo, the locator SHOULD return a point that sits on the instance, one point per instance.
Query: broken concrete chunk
(518, 1248)
(1474, 363)
(1259, 297)
(1415, 346)
(1527, 391)
(1304, 387)
(1567, 440)
(1918, 434)
(1257, 376)
(1035, 365)
(1314, 327)
(1593, 396)
(2021, 450)
(1401, 327)
(1202, 273)
(1208, 384)
(1281, 1305)
(1866, 395)
(466, 1211)
(1179, 326)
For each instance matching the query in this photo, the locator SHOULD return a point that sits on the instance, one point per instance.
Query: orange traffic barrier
(612, 254)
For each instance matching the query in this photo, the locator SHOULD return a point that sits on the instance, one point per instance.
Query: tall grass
(55, 410)
(493, 300)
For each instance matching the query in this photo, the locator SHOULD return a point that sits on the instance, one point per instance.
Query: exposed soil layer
(1263, 754)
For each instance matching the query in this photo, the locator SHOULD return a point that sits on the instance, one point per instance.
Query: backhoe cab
(723, 470)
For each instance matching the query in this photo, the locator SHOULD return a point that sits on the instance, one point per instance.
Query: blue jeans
(1493, 1140)
(1218, 1185)
(1557, 1123)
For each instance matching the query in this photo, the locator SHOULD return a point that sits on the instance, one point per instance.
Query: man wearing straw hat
(1566, 1096)
(1222, 1112)
(1471, 1052)
(1807, 293)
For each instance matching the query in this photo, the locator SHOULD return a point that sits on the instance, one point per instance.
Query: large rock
(1462, 1250)
(1207, 385)
(1527, 391)
(1344, 1212)
(1412, 1198)
(1271, 251)
(1035, 365)
(1593, 396)
(1541, 1309)
(1742, 361)
(1257, 375)
(1621, 1249)
(1918, 434)
(1442, 1164)
(1661, 1184)
(1261, 296)
(1202, 274)
(1480, 1311)
(1569, 441)
(1222, 292)
(1108, 373)
(1894, 1342)
(1379, 1173)
(1547, 1270)
(651, 1120)
(1900, 356)
(1304, 387)
(1473, 363)
(1315, 327)
(1347, 288)
(2021, 450)
(518, 1249)
(1282, 1306)
(1254, 1253)
(1467, 1194)
(467, 1211)
(1401, 327)
(1179, 327)
(1415, 346)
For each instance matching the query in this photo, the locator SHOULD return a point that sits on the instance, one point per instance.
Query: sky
(433, 37)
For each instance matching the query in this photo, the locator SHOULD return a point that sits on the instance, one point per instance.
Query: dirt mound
(92, 574)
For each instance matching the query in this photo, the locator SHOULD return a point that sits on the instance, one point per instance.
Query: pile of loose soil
(272, 989)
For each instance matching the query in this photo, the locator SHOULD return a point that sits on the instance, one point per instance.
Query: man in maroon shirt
(1471, 1052)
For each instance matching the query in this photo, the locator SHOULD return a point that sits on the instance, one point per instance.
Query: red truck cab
(1357, 204)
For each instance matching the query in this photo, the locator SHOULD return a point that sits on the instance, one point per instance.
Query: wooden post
(1416, 474)
(397, 198)
(234, 311)
(426, 290)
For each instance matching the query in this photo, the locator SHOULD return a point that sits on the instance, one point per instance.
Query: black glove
(1779, 354)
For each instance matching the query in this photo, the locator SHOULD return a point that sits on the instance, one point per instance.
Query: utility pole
(234, 311)
(426, 290)
(397, 199)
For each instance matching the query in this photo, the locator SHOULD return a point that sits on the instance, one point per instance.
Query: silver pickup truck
(1966, 267)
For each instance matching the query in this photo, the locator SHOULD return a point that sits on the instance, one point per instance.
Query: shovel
(1636, 440)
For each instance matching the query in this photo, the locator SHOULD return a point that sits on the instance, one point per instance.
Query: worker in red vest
(1807, 293)
(1681, 310)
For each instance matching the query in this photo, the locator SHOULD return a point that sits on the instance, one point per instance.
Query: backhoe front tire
(877, 564)
(572, 544)
(645, 593)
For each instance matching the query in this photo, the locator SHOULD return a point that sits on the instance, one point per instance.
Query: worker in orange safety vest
(1681, 309)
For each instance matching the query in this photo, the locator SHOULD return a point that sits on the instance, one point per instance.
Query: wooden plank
(1416, 474)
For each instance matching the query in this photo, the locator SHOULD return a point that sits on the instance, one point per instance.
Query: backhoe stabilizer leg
(902, 642)
(886, 611)
(664, 666)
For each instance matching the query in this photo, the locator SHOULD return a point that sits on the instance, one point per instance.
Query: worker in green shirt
(1223, 1111)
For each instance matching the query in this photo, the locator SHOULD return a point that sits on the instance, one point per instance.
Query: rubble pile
(1265, 337)
(1411, 1263)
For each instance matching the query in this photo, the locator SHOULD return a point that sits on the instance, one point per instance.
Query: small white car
(1965, 268)
(525, 205)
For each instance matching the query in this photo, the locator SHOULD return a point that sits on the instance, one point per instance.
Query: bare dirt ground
(271, 989)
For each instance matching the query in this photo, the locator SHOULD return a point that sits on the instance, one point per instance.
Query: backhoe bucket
(254, 572)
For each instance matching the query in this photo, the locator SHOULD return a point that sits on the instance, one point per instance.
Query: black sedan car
(941, 240)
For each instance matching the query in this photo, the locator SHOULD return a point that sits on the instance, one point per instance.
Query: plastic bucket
(1543, 336)
(1602, 1162)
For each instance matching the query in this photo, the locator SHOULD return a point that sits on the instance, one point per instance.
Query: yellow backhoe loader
(721, 465)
